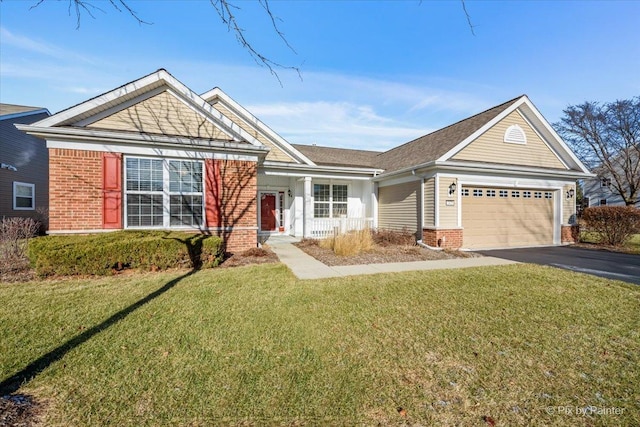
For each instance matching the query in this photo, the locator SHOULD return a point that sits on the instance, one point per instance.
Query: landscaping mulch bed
(384, 253)
(252, 256)
(17, 410)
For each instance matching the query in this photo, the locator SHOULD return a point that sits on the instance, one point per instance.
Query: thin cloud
(8, 38)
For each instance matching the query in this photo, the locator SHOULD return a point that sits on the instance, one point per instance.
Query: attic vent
(515, 135)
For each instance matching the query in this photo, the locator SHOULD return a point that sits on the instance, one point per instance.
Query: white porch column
(307, 211)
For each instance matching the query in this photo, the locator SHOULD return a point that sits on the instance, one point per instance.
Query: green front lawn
(255, 346)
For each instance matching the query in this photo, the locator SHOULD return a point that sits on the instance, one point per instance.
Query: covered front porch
(314, 205)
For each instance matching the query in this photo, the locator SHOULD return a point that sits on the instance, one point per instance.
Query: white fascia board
(555, 136)
(543, 139)
(164, 152)
(240, 111)
(73, 137)
(505, 181)
(304, 168)
(177, 87)
(136, 85)
(511, 169)
(482, 130)
(24, 113)
(408, 169)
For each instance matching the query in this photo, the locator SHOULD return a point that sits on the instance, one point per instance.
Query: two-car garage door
(501, 217)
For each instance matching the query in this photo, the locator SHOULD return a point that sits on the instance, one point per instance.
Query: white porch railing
(326, 227)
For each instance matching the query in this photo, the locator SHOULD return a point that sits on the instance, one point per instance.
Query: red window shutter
(111, 190)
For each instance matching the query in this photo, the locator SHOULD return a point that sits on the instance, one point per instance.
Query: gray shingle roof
(421, 150)
(6, 109)
(432, 146)
(330, 156)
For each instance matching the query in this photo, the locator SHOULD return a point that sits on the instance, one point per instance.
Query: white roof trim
(257, 123)
(524, 100)
(100, 136)
(178, 88)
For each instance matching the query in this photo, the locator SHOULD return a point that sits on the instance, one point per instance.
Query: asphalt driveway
(610, 265)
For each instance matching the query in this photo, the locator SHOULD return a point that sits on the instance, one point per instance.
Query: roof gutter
(97, 136)
(316, 168)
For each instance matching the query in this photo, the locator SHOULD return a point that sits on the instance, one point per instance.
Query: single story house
(24, 165)
(153, 154)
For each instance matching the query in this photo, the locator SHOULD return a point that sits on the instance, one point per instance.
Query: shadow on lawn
(13, 383)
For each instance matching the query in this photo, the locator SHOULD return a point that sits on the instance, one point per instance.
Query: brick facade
(569, 233)
(442, 238)
(75, 190)
(231, 202)
(77, 196)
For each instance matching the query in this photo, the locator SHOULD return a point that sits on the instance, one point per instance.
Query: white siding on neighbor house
(399, 206)
(595, 192)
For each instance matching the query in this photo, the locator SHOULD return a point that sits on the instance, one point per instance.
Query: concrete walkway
(307, 267)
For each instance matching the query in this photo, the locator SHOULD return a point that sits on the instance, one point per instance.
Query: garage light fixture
(570, 194)
(452, 188)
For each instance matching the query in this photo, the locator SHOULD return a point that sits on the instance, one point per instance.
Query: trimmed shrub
(613, 224)
(104, 254)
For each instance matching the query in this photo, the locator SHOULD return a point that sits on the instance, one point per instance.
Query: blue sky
(374, 73)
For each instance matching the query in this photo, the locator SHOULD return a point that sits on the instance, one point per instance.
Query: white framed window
(515, 135)
(330, 200)
(537, 195)
(504, 193)
(605, 182)
(548, 195)
(515, 194)
(24, 196)
(477, 192)
(163, 193)
(526, 194)
(465, 192)
(603, 202)
(491, 193)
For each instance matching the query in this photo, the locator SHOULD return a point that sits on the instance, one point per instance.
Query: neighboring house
(600, 191)
(154, 154)
(24, 164)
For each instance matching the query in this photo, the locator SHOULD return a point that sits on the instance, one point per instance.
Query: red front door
(268, 212)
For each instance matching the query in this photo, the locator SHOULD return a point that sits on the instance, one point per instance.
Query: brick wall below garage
(569, 233)
(443, 238)
(75, 189)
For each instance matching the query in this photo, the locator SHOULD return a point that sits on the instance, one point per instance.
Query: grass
(632, 246)
(255, 346)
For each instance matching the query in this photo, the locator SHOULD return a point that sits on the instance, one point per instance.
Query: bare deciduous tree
(606, 137)
(226, 10)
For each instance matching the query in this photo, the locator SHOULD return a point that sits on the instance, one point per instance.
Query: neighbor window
(603, 202)
(329, 200)
(605, 182)
(24, 196)
(163, 193)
